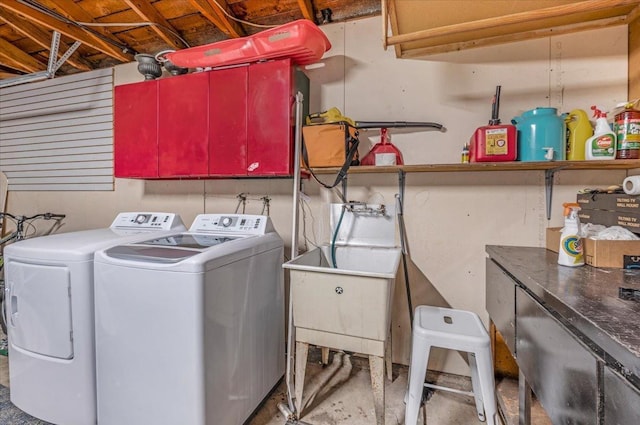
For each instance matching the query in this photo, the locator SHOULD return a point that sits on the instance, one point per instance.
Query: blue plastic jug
(541, 135)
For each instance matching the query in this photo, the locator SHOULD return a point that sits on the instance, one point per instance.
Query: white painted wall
(450, 217)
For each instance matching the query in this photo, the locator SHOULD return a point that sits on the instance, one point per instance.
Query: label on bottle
(628, 130)
(572, 246)
(603, 146)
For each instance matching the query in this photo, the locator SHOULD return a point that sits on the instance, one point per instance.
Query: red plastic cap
(597, 113)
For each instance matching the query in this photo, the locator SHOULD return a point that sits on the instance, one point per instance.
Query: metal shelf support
(548, 188)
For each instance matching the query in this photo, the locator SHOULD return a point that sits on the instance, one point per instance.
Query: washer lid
(169, 249)
(185, 240)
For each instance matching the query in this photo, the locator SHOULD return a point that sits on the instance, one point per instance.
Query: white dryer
(50, 315)
(190, 327)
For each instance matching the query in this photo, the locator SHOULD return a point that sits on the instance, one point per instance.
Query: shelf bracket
(344, 188)
(548, 188)
(401, 183)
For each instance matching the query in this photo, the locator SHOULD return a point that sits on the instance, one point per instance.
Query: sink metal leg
(387, 356)
(325, 355)
(302, 351)
(376, 366)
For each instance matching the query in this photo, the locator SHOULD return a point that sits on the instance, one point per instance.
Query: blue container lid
(541, 111)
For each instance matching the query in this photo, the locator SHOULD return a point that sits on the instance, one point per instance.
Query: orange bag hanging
(328, 145)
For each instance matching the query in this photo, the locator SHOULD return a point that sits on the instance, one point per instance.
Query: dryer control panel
(147, 221)
(239, 224)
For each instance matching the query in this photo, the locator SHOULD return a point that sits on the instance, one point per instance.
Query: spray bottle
(570, 251)
(602, 145)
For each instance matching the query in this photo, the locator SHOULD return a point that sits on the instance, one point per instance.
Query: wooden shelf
(549, 167)
(428, 27)
(619, 164)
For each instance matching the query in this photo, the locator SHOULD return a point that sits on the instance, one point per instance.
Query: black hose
(398, 124)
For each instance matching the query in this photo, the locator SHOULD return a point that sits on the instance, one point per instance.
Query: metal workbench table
(576, 342)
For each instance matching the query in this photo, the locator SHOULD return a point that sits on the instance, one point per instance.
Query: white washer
(50, 315)
(190, 327)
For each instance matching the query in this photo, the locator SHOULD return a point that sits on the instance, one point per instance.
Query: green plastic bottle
(579, 130)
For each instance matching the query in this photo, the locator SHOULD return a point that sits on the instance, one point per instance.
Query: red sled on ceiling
(300, 40)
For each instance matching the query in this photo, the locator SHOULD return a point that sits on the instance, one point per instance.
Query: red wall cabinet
(270, 111)
(251, 119)
(228, 119)
(183, 126)
(232, 122)
(136, 130)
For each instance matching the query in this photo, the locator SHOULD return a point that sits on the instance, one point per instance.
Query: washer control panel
(147, 220)
(232, 223)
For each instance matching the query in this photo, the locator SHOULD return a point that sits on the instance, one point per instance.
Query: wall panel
(58, 134)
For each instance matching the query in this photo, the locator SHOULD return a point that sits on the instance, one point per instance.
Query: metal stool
(454, 330)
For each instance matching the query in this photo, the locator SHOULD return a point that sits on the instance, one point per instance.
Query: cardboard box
(620, 202)
(599, 253)
(630, 221)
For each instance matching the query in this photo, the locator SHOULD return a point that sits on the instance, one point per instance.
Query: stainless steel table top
(584, 298)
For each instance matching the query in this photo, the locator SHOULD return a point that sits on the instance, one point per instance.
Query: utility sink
(346, 304)
(347, 307)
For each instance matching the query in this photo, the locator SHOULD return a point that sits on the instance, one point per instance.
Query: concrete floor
(347, 398)
(343, 396)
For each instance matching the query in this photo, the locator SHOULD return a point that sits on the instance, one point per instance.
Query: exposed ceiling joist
(17, 59)
(147, 12)
(213, 13)
(40, 37)
(72, 10)
(69, 30)
(112, 31)
(307, 9)
(4, 75)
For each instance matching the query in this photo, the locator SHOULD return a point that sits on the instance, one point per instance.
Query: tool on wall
(376, 155)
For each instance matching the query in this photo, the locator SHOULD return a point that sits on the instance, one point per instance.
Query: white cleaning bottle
(570, 251)
(602, 145)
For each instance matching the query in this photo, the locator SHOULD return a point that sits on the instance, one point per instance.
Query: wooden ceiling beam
(307, 9)
(41, 37)
(20, 60)
(69, 30)
(4, 74)
(146, 11)
(213, 13)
